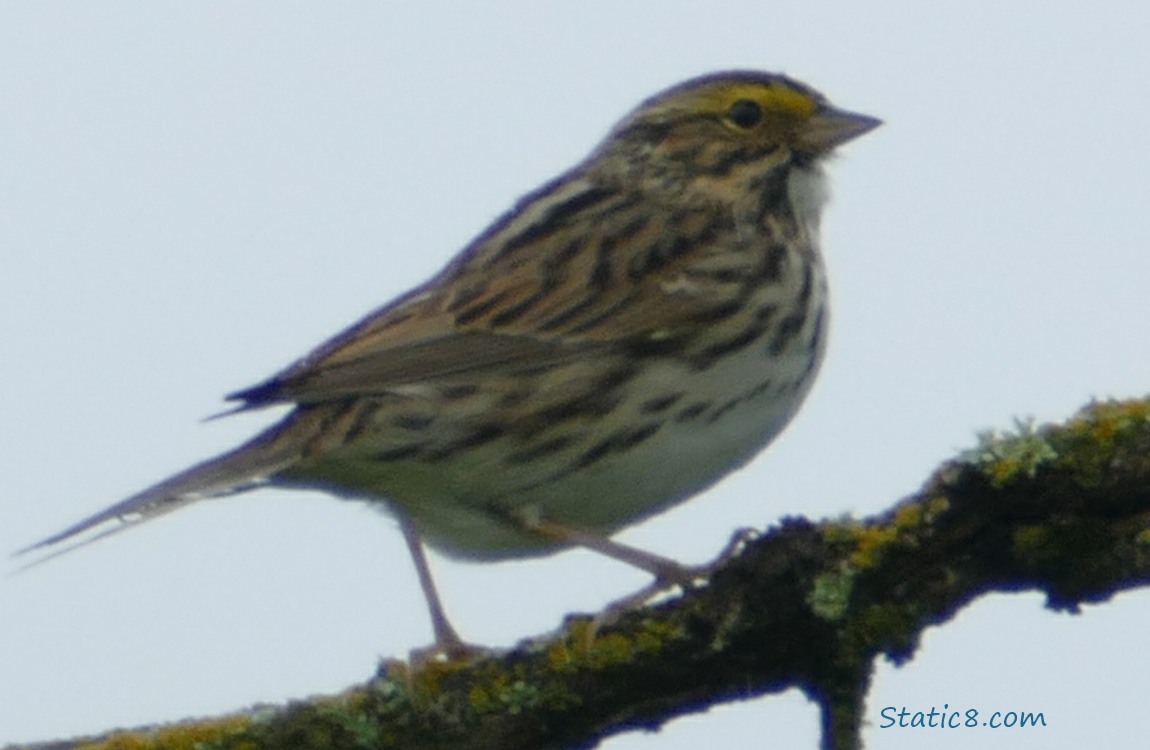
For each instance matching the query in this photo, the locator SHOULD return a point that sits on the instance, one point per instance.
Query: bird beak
(830, 127)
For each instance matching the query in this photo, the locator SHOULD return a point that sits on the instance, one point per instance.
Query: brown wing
(574, 271)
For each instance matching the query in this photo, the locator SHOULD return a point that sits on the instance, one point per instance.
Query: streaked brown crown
(722, 124)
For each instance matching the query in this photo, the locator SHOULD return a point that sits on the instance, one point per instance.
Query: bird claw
(445, 651)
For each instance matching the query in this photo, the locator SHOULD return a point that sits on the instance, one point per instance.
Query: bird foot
(671, 575)
(446, 651)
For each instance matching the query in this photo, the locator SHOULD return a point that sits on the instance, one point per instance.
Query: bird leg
(447, 641)
(667, 572)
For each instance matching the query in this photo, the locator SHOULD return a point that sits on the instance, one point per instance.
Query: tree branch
(1062, 509)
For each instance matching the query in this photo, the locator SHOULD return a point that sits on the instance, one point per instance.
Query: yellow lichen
(1104, 420)
(841, 531)
(869, 543)
(1102, 433)
(479, 699)
(1029, 541)
(935, 507)
(187, 736)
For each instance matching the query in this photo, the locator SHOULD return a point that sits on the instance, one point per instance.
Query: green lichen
(1004, 455)
(1101, 436)
(830, 597)
(519, 696)
(390, 694)
(490, 687)
(347, 715)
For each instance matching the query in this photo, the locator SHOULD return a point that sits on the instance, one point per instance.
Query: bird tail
(246, 467)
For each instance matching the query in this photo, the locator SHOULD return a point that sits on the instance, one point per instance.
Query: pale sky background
(194, 194)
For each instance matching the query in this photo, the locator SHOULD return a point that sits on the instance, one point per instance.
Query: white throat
(808, 191)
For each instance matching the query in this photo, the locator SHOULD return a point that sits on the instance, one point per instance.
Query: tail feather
(241, 469)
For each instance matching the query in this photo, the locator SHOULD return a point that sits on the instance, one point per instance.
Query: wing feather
(588, 277)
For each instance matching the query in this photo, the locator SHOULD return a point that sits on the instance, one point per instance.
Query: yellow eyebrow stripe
(777, 97)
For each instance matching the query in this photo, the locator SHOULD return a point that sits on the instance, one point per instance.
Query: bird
(622, 338)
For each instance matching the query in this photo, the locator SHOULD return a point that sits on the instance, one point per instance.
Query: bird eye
(745, 114)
